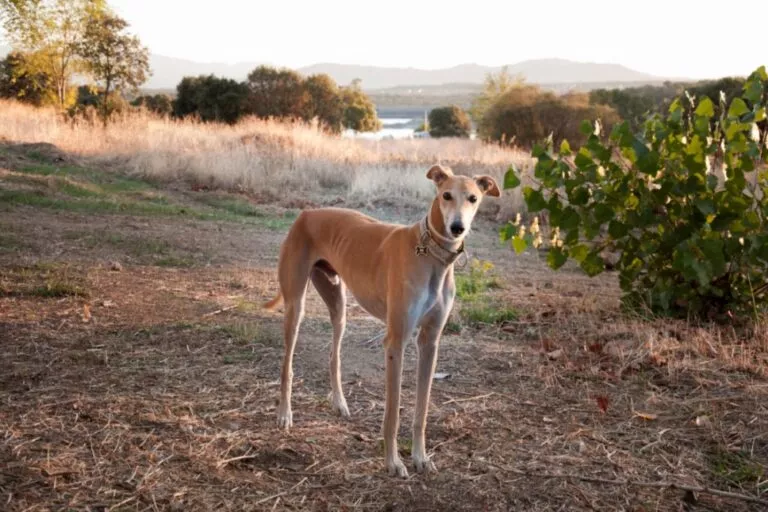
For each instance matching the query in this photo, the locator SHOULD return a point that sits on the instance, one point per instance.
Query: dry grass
(262, 157)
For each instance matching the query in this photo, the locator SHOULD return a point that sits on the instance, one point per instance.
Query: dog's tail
(274, 302)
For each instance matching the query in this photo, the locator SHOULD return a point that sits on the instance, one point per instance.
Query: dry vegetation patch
(265, 158)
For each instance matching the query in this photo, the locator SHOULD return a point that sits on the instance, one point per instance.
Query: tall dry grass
(262, 156)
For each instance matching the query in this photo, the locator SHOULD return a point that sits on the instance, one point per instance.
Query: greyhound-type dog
(402, 275)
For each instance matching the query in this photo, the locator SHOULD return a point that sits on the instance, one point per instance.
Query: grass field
(139, 372)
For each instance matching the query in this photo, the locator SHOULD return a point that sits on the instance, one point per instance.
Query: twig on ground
(124, 502)
(223, 463)
(468, 399)
(372, 341)
(280, 494)
(219, 311)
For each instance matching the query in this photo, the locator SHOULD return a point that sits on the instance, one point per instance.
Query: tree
(49, 31)
(160, 104)
(211, 98)
(324, 101)
(636, 104)
(359, 111)
(690, 236)
(278, 93)
(525, 114)
(116, 60)
(450, 121)
(493, 87)
(19, 81)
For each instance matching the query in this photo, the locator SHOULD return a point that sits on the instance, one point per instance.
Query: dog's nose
(457, 228)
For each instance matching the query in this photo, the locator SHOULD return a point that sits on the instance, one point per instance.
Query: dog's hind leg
(294, 280)
(334, 294)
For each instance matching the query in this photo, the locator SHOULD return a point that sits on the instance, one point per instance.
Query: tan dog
(402, 275)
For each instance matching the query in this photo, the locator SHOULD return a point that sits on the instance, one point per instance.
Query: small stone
(703, 421)
(555, 354)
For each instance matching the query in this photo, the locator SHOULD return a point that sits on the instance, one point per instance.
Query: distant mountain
(167, 72)
(548, 71)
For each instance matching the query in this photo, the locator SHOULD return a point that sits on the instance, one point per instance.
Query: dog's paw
(340, 406)
(397, 468)
(423, 464)
(284, 418)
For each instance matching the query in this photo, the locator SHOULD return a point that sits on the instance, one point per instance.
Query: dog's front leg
(393, 352)
(428, 341)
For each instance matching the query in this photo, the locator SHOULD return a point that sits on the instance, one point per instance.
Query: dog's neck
(439, 231)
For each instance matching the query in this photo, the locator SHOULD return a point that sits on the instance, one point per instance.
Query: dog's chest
(423, 301)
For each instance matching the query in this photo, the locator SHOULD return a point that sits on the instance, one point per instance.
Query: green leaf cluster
(681, 202)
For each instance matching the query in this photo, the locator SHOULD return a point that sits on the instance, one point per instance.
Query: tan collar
(428, 245)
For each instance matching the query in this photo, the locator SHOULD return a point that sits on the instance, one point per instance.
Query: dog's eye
(472, 199)
(447, 196)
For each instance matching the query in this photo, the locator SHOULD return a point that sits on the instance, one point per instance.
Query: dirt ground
(138, 372)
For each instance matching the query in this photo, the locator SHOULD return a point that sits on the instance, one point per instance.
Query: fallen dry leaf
(86, 313)
(597, 348)
(602, 402)
(646, 415)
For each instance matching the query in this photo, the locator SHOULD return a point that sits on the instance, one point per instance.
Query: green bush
(210, 98)
(20, 81)
(359, 111)
(450, 121)
(277, 93)
(689, 243)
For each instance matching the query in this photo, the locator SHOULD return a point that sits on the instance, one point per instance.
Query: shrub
(689, 243)
(278, 93)
(324, 101)
(19, 80)
(636, 104)
(359, 111)
(160, 104)
(89, 102)
(450, 121)
(525, 114)
(210, 98)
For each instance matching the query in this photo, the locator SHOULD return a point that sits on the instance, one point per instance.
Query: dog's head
(459, 197)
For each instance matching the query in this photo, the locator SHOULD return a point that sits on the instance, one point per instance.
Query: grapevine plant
(681, 203)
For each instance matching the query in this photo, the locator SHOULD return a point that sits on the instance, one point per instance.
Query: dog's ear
(488, 185)
(438, 174)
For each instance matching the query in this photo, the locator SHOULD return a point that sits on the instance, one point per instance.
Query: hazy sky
(662, 37)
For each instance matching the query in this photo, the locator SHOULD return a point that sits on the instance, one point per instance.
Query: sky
(653, 36)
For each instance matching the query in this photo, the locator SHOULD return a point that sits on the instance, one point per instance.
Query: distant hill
(542, 71)
(168, 71)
